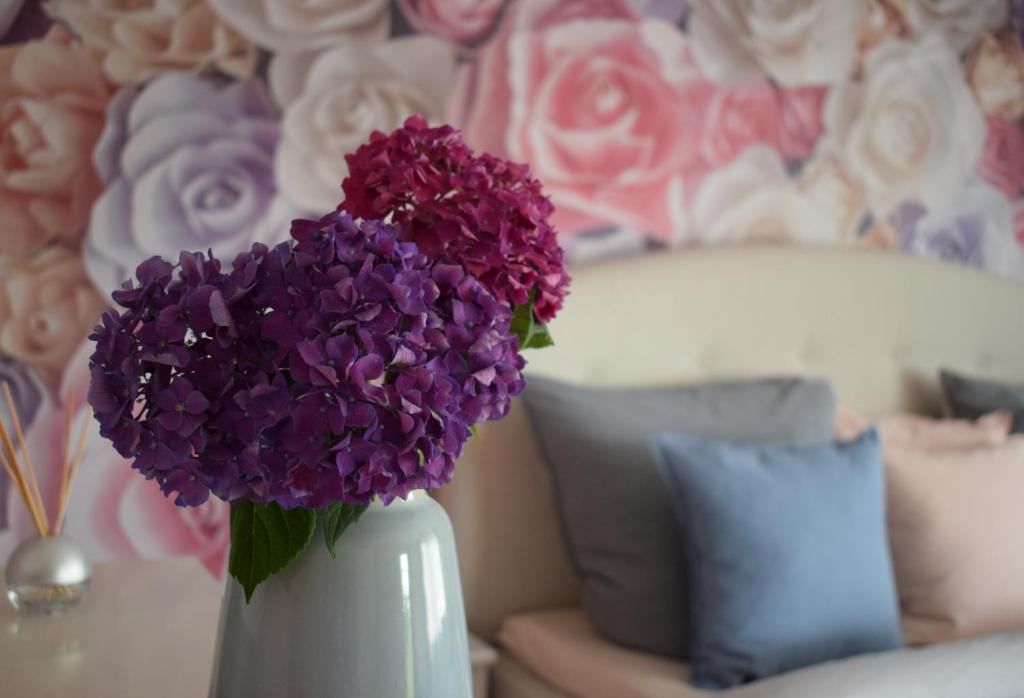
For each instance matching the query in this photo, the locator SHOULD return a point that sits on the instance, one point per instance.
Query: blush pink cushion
(562, 648)
(956, 519)
(956, 530)
(924, 432)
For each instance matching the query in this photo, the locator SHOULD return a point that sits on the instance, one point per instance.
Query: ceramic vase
(383, 619)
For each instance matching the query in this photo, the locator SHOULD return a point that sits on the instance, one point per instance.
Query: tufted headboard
(878, 325)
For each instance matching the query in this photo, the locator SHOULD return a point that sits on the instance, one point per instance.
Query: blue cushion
(786, 553)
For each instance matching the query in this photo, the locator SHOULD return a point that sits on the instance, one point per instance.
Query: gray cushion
(615, 510)
(786, 553)
(970, 398)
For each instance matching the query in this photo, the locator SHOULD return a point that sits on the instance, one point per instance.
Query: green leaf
(541, 337)
(531, 334)
(335, 519)
(265, 538)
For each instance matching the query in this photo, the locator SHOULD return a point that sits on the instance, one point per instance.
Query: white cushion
(561, 647)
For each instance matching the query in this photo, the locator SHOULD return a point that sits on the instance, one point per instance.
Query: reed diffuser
(48, 572)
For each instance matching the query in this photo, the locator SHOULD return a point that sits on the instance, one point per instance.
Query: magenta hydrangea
(337, 367)
(478, 210)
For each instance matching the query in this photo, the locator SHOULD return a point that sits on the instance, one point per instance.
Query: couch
(878, 325)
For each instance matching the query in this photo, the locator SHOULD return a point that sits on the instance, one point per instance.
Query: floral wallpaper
(139, 129)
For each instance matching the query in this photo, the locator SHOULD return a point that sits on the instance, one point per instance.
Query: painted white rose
(345, 94)
(910, 129)
(754, 200)
(827, 181)
(958, 21)
(881, 22)
(797, 42)
(143, 38)
(301, 25)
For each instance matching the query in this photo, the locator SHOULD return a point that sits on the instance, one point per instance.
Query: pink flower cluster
(484, 212)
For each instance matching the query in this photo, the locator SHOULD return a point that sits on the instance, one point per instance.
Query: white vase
(385, 619)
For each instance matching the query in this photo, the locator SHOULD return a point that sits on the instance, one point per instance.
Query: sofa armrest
(481, 657)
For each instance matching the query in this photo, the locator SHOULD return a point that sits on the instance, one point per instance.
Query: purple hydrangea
(339, 366)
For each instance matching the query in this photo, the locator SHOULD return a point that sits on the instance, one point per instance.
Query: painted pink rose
(759, 113)
(460, 21)
(114, 512)
(52, 101)
(740, 117)
(484, 82)
(1002, 160)
(607, 108)
(802, 122)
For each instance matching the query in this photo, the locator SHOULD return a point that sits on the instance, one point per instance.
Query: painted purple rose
(977, 231)
(27, 394)
(187, 164)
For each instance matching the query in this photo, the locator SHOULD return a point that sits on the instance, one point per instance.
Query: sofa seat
(560, 647)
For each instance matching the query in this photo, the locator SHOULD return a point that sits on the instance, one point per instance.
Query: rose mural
(132, 130)
(606, 107)
(26, 394)
(753, 200)
(52, 101)
(464, 22)
(47, 305)
(995, 73)
(961, 232)
(797, 42)
(959, 22)
(141, 39)
(1002, 160)
(21, 21)
(908, 129)
(333, 101)
(296, 25)
(187, 164)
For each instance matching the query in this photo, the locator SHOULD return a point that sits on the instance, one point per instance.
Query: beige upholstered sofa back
(878, 325)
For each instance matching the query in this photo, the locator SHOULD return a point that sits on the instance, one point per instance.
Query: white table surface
(146, 630)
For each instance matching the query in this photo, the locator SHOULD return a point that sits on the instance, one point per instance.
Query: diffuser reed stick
(14, 473)
(67, 455)
(29, 468)
(70, 467)
(23, 474)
